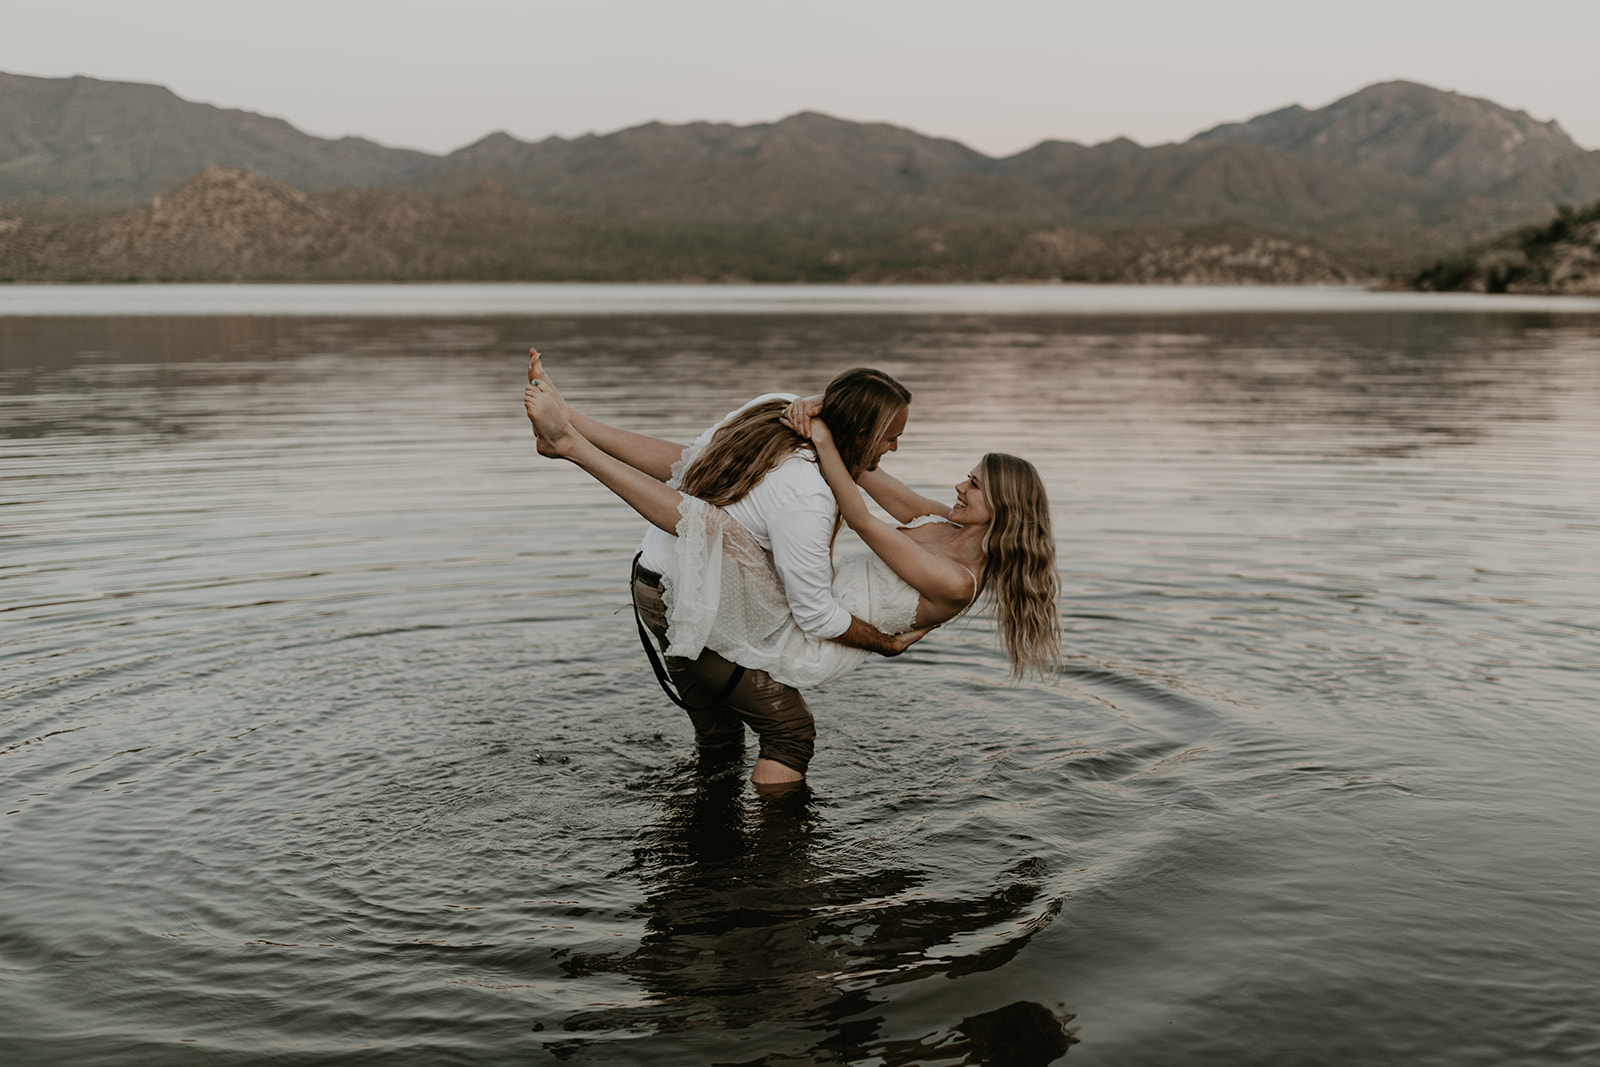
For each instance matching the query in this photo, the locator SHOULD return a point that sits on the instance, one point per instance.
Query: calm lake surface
(326, 737)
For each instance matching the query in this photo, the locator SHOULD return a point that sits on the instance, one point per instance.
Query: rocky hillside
(1394, 164)
(1562, 256)
(1375, 184)
(224, 225)
(806, 167)
(117, 143)
(229, 225)
(1456, 144)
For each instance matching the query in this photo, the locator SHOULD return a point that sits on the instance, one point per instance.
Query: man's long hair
(858, 407)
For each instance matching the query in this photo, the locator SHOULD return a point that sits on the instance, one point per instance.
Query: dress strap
(923, 520)
(974, 578)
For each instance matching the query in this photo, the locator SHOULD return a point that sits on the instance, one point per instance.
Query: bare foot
(555, 436)
(536, 372)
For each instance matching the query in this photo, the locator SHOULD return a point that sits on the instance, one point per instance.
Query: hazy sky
(999, 75)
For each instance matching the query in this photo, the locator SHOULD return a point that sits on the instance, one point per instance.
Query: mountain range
(106, 180)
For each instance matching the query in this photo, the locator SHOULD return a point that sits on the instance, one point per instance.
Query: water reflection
(1425, 377)
(1024, 1034)
(1329, 737)
(757, 911)
(1379, 384)
(732, 895)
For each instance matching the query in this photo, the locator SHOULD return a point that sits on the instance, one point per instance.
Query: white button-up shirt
(790, 513)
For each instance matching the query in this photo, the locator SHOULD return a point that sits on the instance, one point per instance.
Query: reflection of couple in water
(736, 579)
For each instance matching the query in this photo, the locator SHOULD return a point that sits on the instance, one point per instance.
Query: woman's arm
(651, 455)
(893, 495)
(939, 579)
(898, 499)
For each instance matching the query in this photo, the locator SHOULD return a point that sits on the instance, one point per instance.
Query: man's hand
(867, 636)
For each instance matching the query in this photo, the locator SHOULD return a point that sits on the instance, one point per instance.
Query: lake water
(325, 735)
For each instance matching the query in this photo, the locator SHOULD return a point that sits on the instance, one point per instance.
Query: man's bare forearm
(867, 636)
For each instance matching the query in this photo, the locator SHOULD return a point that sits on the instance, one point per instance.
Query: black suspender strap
(660, 668)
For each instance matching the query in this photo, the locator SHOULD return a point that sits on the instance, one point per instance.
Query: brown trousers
(776, 712)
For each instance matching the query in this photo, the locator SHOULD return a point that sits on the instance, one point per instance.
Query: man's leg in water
(776, 712)
(718, 732)
(779, 716)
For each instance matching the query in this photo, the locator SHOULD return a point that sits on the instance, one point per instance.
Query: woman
(995, 538)
(725, 596)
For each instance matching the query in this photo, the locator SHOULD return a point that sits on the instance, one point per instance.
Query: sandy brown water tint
(325, 736)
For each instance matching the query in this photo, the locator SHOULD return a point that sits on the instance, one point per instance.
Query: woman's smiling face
(971, 507)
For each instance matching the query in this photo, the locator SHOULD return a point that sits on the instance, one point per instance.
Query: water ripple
(325, 731)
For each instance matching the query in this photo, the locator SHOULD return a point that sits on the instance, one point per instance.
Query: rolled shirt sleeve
(800, 531)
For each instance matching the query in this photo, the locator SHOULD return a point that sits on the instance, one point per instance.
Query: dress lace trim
(924, 520)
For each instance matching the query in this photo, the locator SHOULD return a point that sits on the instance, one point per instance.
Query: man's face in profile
(891, 438)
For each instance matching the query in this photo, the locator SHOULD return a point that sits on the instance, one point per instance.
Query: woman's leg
(557, 439)
(652, 455)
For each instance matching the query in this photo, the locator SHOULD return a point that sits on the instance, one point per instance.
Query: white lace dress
(722, 593)
(725, 596)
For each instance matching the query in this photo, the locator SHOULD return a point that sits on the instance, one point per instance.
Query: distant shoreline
(589, 299)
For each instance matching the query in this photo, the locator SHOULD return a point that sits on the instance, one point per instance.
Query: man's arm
(867, 636)
(800, 533)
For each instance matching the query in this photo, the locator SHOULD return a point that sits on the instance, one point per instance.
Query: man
(751, 469)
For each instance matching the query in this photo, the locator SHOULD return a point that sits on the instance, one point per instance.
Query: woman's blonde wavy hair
(858, 407)
(1019, 570)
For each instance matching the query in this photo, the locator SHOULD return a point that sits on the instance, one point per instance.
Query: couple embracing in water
(736, 578)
